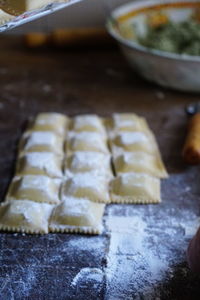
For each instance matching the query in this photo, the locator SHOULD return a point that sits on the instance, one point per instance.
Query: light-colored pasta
(86, 185)
(25, 216)
(77, 215)
(86, 141)
(86, 161)
(40, 163)
(36, 188)
(140, 162)
(127, 122)
(91, 123)
(133, 142)
(50, 122)
(135, 188)
(42, 141)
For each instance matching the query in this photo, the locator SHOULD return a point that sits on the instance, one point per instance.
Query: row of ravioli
(64, 176)
(137, 160)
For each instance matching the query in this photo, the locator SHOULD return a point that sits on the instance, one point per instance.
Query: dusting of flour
(139, 258)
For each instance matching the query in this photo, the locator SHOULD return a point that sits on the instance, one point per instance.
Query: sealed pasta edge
(21, 229)
(133, 200)
(74, 229)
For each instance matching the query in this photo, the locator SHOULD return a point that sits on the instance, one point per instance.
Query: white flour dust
(139, 257)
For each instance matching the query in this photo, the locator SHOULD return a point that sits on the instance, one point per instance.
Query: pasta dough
(133, 141)
(35, 188)
(89, 123)
(127, 122)
(25, 216)
(87, 141)
(50, 122)
(86, 161)
(135, 188)
(39, 141)
(140, 162)
(77, 215)
(86, 185)
(40, 163)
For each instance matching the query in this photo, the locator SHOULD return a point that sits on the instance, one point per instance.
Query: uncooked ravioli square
(140, 162)
(41, 141)
(87, 161)
(25, 216)
(128, 122)
(77, 215)
(135, 188)
(86, 141)
(40, 163)
(86, 185)
(50, 122)
(91, 123)
(36, 188)
(133, 141)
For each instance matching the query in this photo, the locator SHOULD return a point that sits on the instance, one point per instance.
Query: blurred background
(86, 13)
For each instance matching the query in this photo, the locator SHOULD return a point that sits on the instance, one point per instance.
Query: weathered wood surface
(141, 254)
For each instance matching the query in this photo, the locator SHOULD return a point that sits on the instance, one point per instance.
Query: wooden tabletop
(141, 254)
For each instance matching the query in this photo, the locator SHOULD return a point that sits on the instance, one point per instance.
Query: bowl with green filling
(161, 40)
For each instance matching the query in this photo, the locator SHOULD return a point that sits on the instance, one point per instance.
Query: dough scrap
(135, 188)
(37, 188)
(40, 163)
(77, 215)
(25, 216)
(140, 162)
(86, 185)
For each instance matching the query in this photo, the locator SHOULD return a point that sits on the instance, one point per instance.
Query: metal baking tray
(35, 14)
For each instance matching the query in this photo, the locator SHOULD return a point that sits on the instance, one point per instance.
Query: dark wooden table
(141, 254)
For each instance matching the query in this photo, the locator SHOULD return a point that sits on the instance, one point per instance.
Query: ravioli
(25, 216)
(88, 161)
(86, 185)
(140, 162)
(135, 188)
(40, 163)
(77, 215)
(36, 188)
